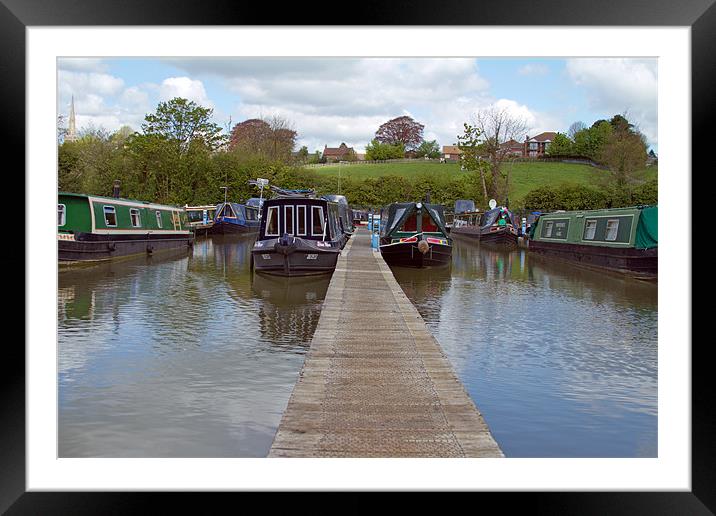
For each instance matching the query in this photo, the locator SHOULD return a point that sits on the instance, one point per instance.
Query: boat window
(110, 216)
(159, 219)
(288, 220)
(410, 224)
(61, 214)
(317, 221)
(428, 224)
(612, 229)
(272, 221)
(135, 217)
(548, 228)
(251, 213)
(301, 220)
(398, 214)
(227, 211)
(590, 229)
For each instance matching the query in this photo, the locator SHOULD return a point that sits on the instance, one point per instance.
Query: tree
(469, 145)
(272, 138)
(560, 146)
(575, 128)
(184, 122)
(497, 125)
(61, 129)
(624, 153)
(376, 150)
(429, 149)
(402, 130)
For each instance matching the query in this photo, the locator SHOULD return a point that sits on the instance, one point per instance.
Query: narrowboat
(201, 218)
(93, 228)
(233, 218)
(623, 240)
(345, 214)
(466, 224)
(498, 229)
(414, 235)
(299, 235)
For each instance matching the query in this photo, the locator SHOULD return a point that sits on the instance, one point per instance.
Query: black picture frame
(16, 15)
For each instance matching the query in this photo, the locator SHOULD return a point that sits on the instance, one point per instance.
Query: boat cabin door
(176, 221)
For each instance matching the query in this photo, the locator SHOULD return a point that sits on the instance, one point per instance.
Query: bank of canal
(187, 356)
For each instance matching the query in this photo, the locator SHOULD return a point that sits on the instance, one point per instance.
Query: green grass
(525, 176)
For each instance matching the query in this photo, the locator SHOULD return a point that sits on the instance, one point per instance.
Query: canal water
(190, 355)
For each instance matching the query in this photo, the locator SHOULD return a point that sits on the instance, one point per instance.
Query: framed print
(106, 66)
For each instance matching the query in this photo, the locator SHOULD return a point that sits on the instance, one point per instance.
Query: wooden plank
(375, 382)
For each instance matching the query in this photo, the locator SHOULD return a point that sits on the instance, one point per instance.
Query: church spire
(72, 129)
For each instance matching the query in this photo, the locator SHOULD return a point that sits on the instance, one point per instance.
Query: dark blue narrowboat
(234, 218)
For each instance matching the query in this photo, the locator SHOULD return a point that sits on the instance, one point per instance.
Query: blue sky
(334, 100)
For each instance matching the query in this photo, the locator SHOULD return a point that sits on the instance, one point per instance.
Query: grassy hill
(525, 176)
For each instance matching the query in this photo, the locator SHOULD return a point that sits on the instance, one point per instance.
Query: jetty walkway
(375, 382)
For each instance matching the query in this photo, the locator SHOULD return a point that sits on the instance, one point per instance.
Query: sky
(329, 101)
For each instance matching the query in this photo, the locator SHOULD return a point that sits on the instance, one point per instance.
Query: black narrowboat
(299, 235)
(414, 235)
(345, 214)
(498, 230)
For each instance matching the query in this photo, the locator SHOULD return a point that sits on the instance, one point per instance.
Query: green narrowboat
(624, 240)
(92, 228)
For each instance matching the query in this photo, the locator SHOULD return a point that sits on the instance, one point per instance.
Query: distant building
(333, 154)
(538, 145)
(451, 152)
(71, 135)
(513, 147)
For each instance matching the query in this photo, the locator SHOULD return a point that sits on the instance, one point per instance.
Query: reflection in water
(561, 361)
(180, 357)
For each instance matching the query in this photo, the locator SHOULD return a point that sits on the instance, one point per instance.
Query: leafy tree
(624, 153)
(184, 122)
(376, 150)
(429, 149)
(469, 144)
(272, 138)
(401, 131)
(560, 146)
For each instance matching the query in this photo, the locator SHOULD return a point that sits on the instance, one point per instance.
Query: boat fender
(423, 246)
(111, 246)
(150, 248)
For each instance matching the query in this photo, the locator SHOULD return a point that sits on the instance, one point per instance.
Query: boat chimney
(427, 197)
(115, 189)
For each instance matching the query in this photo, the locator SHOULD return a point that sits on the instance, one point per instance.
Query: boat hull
(300, 258)
(639, 263)
(90, 247)
(466, 232)
(502, 238)
(229, 228)
(407, 254)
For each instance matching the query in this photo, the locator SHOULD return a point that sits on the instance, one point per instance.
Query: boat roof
(395, 216)
(603, 210)
(117, 199)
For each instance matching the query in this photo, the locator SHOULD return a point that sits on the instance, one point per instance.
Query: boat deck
(375, 382)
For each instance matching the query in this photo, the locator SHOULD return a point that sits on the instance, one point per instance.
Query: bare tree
(575, 128)
(498, 126)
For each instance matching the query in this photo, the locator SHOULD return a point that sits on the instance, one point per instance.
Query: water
(185, 356)
(189, 356)
(562, 362)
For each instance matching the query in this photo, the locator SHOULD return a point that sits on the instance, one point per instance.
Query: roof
(451, 149)
(543, 137)
(337, 151)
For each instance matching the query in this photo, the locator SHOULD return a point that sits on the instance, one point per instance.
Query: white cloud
(82, 64)
(621, 85)
(184, 87)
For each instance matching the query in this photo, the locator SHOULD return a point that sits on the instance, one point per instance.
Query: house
(513, 148)
(538, 145)
(334, 154)
(451, 152)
